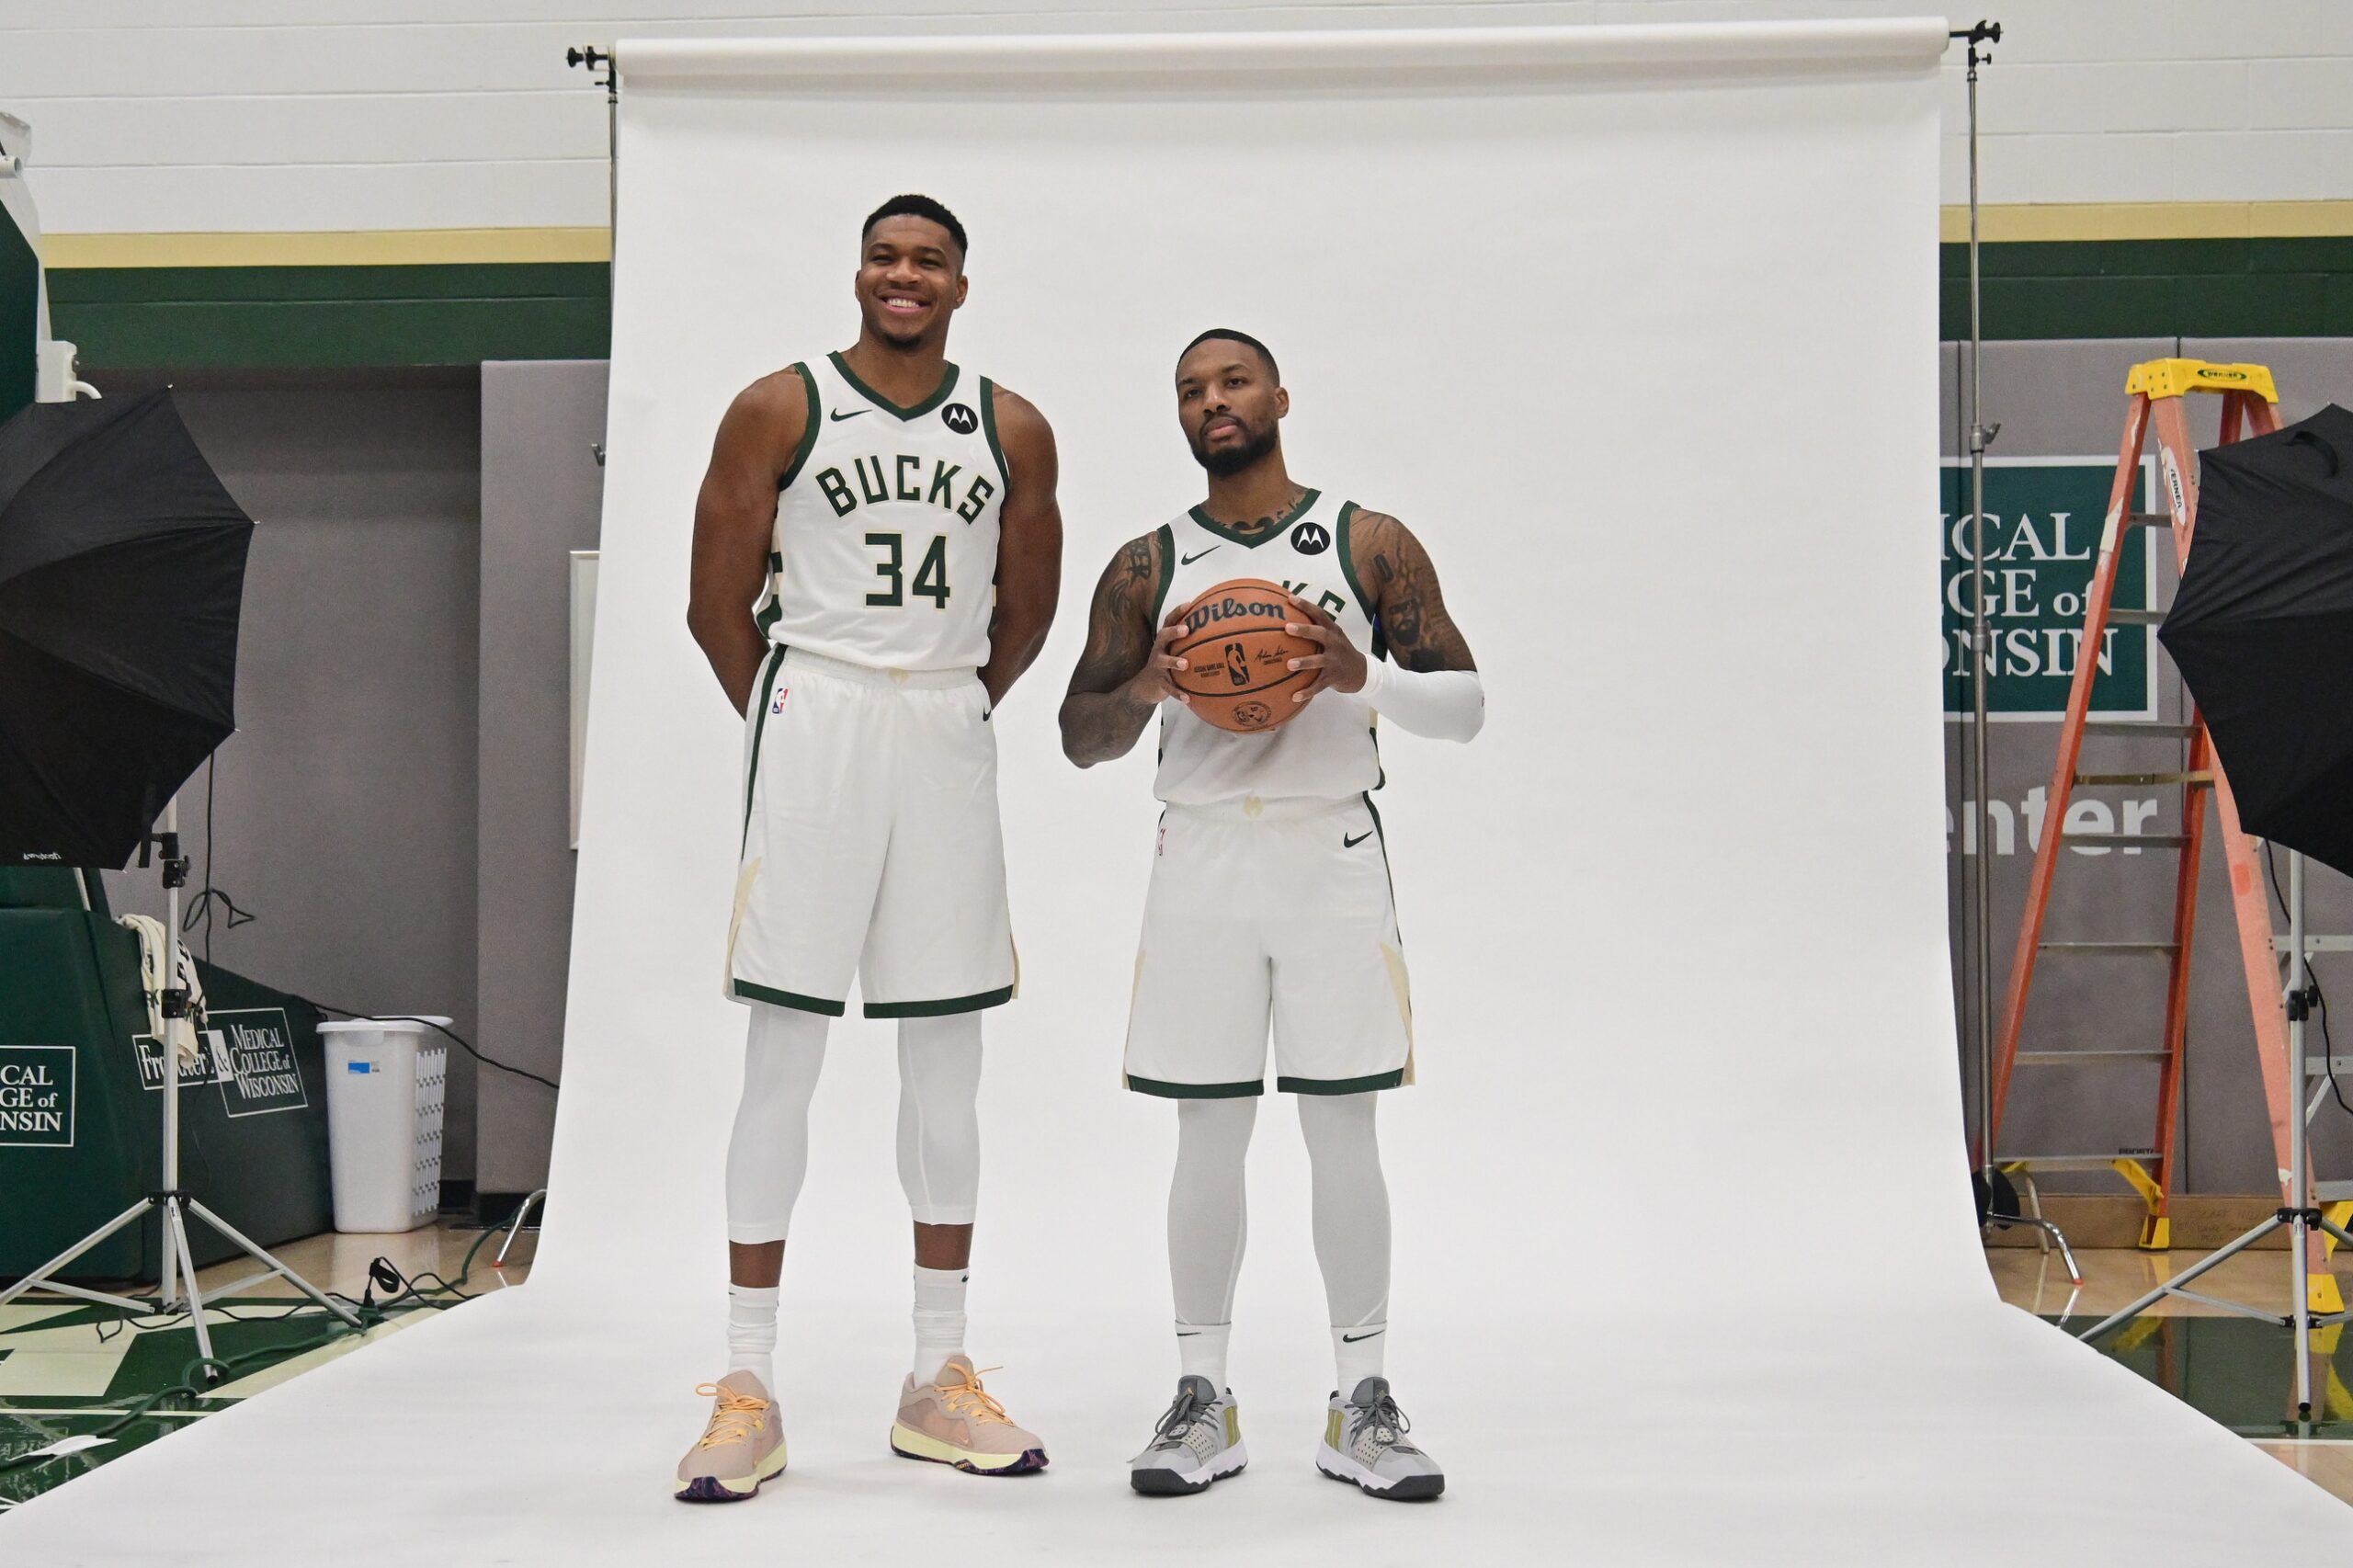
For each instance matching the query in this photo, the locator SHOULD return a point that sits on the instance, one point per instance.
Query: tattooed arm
(1122, 675)
(1405, 599)
(1430, 685)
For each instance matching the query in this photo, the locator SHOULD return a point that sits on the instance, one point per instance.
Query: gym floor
(58, 1362)
(68, 1370)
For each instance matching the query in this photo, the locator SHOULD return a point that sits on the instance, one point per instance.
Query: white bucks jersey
(884, 552)
(1328, 750)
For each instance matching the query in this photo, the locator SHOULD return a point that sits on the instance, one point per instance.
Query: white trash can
(384, 1087)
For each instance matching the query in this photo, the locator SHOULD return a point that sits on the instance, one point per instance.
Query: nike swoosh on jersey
(1352, 1338)
(851, 414)
(1188, 559)
(1348, 842)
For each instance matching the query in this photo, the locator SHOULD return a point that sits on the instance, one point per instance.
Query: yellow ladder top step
(2175, 377)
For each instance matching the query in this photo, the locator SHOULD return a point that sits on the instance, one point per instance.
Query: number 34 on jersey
(887, 525)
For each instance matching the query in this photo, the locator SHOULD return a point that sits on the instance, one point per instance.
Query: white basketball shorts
(871, 846)
(1270, 910)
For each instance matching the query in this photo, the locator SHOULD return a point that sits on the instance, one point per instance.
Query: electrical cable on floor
(2320, 997)
(411, 1294)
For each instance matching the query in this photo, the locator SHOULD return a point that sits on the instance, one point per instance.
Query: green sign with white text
(2043, 517)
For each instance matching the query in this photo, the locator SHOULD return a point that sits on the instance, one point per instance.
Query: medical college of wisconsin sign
(2043, 517)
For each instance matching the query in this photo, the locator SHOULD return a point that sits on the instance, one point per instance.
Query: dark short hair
(1228, 333)
(910, 205)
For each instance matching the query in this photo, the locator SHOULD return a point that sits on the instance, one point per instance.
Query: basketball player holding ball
(1268, 708)
(857, 509)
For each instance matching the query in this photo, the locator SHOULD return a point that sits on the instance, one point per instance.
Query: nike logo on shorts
(1352, 1338)
(1188, 559)
(851, 414)
(1348, 842)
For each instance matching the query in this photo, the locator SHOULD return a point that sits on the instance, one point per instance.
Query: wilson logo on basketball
(1202, 615)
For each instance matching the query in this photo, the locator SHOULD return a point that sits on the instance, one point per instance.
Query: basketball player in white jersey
(1289, 809)
(876, 553)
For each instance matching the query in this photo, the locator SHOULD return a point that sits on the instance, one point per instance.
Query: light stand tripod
(177, 1290)
(2297, 1215)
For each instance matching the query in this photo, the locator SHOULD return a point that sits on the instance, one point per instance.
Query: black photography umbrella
(122, 564)
(2263, 630)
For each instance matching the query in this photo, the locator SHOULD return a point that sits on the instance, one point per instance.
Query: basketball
(1237, 656)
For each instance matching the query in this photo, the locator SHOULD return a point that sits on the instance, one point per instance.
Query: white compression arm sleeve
(1444, 705)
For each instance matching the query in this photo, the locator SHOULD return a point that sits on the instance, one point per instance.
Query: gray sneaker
(1198, 1441)
(1364, 1441)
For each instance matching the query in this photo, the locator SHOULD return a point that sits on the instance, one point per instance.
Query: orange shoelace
(970, 1399)
(737, 1417)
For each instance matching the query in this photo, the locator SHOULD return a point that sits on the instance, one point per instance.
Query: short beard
(898, 337)
(1227, 461)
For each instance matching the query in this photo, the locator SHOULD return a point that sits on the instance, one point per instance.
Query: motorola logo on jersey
(960, 418)
(1311, 538)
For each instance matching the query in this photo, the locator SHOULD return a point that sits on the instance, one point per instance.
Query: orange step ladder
(2155, 393)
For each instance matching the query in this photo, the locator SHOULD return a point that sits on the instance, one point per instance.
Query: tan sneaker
(742, 1446)
(955, 1421)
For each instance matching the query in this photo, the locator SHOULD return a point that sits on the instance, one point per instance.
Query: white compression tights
(940, 1142)
(1208, 1223)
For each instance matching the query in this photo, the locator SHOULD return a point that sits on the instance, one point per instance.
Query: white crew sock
(1201, 1350)
(750, 1331)
(939, 1320)
(1358, 1350)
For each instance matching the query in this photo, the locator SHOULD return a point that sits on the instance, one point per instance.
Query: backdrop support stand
(177, 1290)
(1981, 435)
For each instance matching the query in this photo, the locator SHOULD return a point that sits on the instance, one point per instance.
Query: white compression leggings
(939, 1134)
(1208, 1216)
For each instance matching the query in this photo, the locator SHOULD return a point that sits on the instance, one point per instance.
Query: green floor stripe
(2236, 1372)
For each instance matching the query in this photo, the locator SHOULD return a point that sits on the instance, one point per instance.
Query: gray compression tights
(1208, 1216)
(939, 1136)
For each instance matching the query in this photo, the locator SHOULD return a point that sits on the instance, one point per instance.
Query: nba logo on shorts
(782, 693)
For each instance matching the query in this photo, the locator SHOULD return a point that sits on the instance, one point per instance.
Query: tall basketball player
(857, 509)
(1290, 808)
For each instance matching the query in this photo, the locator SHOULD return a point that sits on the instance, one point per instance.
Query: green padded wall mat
(80, 1123)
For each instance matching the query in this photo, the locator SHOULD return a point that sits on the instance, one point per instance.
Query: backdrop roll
(1655, 405)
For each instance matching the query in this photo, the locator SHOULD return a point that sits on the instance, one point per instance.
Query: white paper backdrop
(1651, 373)
(1637, 328)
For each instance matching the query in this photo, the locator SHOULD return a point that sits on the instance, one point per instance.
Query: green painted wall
(2266, 287)
(461, 314)
(277, 316)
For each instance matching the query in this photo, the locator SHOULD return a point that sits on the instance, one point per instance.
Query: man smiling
(876, 554)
